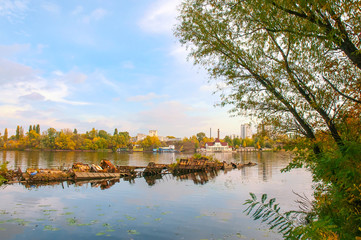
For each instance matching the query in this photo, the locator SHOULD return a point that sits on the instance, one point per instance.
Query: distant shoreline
(86, 150)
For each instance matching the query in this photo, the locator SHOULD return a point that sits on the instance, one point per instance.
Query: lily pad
(83, 224)
(50, 210)
(50, 228)
(240, 235)
(71, 221)
(3, 212)
(133, 232)
(130, 217)
(68, 213)
(19, 221)
(100, 233)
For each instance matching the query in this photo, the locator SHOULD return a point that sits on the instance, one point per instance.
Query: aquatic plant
(3, 171)
(133, 232)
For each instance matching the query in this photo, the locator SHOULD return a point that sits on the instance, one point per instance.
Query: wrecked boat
(106, 170)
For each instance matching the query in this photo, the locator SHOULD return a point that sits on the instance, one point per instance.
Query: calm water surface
(189, 207)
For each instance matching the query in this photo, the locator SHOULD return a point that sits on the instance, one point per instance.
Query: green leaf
(264, 198)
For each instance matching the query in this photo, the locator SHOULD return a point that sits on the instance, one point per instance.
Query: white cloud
(20, 82)
(58, 73)
(78, 10)
(71, 77)
(40, 47)
(161, 16)
(145, 98)
(10, 50)
(180, 53)
(51, 8)
(11, 72)
(214, 87)
(11, 111)
(98, 76)
(172, 117)
(128, 65)
(98, 14)
(13, 9)
(95, 15)
(74, 77)
(34, 96)
(58, 91)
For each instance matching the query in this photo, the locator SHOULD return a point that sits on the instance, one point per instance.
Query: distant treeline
(67, 139)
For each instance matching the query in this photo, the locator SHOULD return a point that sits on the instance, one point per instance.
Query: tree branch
(341, 93)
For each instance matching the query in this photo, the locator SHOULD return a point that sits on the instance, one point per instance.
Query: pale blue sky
(103, 64)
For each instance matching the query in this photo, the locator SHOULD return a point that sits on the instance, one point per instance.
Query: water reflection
(195, 177)
(267, 161)
(190, 206)
(152, 179)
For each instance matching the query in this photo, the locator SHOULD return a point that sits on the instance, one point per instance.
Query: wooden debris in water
(80, 171)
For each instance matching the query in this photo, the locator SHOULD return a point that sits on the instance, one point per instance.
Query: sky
(103, 64)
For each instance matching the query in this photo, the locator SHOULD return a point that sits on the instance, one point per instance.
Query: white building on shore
(216, 146)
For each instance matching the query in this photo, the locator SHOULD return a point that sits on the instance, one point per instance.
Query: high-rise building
(246, 131)
(233, 136)
(140, 137)
(153, 133)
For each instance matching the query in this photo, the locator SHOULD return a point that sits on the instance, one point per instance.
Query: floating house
(137, 149)
(171, 148)
(124, 149)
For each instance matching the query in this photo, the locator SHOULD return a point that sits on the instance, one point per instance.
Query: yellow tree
(33, 139)
(150, 142)
(5, 137)
(64, 142)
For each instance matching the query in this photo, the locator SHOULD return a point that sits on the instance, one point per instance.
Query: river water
(189, 207)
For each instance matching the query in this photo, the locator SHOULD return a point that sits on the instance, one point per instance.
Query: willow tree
(296, 64)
